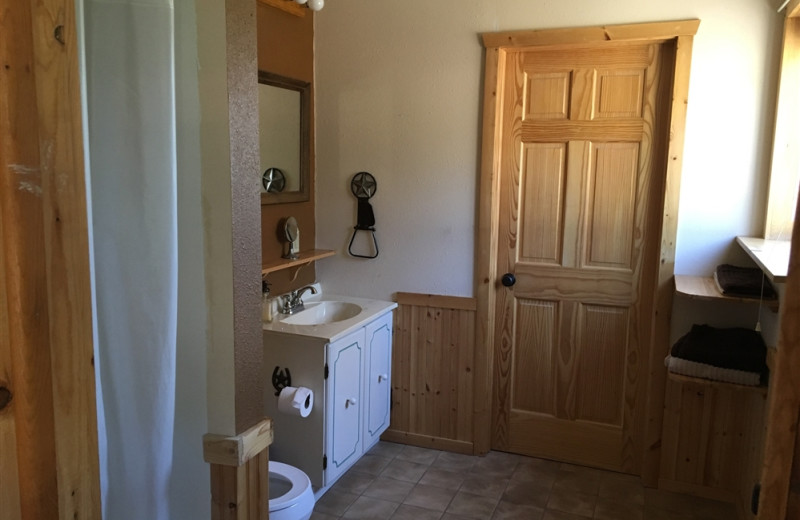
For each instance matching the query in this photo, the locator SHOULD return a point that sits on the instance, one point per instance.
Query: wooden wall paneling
(432, 372)
(712, 441)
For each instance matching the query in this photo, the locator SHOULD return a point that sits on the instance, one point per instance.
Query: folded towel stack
(734, 355)
(748, 282)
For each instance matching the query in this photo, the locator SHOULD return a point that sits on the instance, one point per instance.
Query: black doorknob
(508, 279)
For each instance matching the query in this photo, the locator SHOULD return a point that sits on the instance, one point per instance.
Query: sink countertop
(370, 309)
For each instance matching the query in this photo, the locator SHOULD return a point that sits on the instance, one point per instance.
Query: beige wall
(399, 94)
(286, 47)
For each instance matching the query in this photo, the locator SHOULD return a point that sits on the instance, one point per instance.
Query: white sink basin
(322, 312)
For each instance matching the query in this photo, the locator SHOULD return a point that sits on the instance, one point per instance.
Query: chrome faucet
(293, 302)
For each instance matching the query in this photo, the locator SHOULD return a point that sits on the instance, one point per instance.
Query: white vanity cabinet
(344, 403)
(349, 372)
(377, 375)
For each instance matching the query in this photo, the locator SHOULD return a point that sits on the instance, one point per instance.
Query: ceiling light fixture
(314, 5)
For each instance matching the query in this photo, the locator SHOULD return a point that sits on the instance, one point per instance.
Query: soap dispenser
(266, 303)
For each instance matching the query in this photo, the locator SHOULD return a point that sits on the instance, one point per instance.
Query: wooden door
(580, 191)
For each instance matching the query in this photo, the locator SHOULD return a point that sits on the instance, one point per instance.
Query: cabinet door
(377, 375)
(343, 423)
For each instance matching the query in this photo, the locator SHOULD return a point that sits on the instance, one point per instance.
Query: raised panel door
(377, 379)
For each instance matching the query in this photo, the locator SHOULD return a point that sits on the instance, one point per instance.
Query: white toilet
(290, 493)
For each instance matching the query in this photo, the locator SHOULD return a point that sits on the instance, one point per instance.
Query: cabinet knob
(382, 377)
(350, 402)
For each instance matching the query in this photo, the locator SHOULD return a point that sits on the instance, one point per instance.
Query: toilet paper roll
(296, 401)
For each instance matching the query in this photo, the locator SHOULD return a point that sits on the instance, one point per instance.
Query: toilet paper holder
(281, 379)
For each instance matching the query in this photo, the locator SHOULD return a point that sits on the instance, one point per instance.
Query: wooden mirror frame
(304, 88)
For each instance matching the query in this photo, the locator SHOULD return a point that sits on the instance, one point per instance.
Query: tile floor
(400, 482)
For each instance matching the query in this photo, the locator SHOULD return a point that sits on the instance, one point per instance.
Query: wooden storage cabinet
(350, 378)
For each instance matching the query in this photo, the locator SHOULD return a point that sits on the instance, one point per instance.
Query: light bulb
(316, 5)
(301, 2)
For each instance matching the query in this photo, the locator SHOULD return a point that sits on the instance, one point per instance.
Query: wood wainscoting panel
(432, 372)
(713, 441)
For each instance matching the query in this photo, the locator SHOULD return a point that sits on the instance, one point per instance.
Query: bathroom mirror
(284, 119)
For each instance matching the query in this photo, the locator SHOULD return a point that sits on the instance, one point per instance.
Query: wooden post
(240, 473)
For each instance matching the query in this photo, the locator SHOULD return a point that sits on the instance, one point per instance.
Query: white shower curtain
(130, 89)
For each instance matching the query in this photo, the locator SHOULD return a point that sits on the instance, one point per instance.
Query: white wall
(398, 88)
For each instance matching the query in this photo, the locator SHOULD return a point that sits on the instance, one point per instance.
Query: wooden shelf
(772, 256)
(704, 288)
(303, 259)
(680, 378)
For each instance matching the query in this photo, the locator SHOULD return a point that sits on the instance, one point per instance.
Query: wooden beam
(236, 450)
(240, 473)
(571, 36)
(784, 409)
(289, 6)
(434, 300)
(665, 285)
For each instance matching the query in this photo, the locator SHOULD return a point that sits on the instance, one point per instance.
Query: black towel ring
(363, 186)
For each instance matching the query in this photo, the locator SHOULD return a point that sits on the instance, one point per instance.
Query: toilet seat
(298, 493)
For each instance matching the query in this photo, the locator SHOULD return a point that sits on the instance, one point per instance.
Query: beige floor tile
(527, 493)
(353, 482)
(371, 464)
(389, 489)
(404, 470)
(430, 497)
(484, 486)
(559, 515)
(335, 502)
(385, 449)
(322, 516)
(472, 506)
(454, 461)
(572, 502)
(442, 478)
(627, 488)
(509, 511)
(418, 455)
(611, 509)
(366, 508)
(406, 512)
(537, 470)
(577, 482)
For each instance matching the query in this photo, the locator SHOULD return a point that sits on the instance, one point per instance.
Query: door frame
(496, 45)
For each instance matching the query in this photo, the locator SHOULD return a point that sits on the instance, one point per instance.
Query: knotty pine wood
(661, 300)
(433, 372)
(241, 492)
(784, 408)
(712, 443)
(240, 472)
(48, 324)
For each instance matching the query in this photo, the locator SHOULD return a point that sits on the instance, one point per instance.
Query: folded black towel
(743, 281)
(735, 348)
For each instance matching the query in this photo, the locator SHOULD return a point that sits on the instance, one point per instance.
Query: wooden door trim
(46, 320)
(497, 44)
(587, 35)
